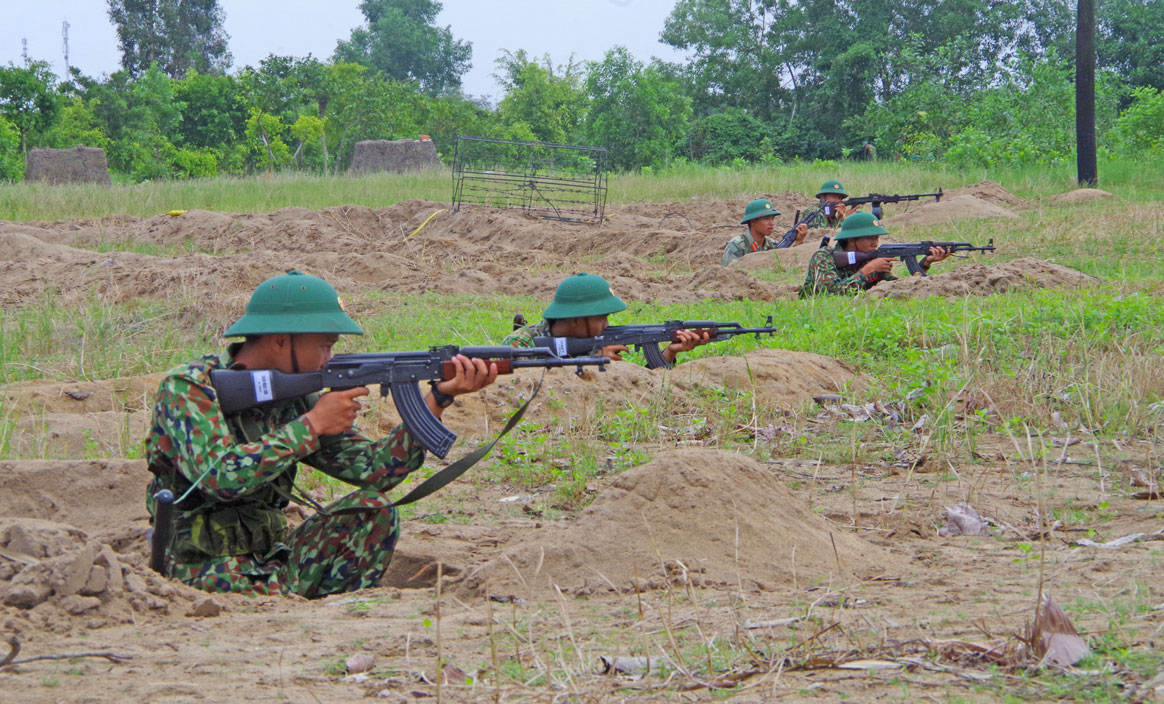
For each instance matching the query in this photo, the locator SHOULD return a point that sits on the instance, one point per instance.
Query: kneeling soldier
(861, 232)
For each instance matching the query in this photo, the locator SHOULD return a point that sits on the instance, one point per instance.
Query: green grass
(1136, 182)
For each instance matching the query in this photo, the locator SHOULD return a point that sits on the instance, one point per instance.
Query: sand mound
(790, 259)
(1080, 195)
(131, 393)
(780, 379)
(77, 435)
(104, 498)
(56, 578)
(991, 192)
(734, 284)
(985, 280)
(24, 244)
(962, 207)
(690, 517)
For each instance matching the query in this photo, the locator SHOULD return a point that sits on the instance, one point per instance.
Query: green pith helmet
(860, 225)
(582, 295)
(294, 303)
(832, 187)
(761, 207)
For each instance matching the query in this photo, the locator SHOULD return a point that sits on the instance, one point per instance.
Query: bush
(11, 157)
(727, 136)
(1141, 127)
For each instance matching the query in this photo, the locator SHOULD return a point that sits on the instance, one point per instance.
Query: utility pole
(65, 36)
(1085, 162)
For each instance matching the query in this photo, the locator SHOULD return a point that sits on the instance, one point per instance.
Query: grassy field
(1137, 182)
(1011, 371)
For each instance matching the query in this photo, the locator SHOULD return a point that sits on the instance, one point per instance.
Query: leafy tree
(1139, 131)
(11, 154)
(28, 99)
(175, 34)
(76, 125)
(636, 112)
(401, 41)
(549, 101)
(212, 111)
(1129, 40)
(729, 135)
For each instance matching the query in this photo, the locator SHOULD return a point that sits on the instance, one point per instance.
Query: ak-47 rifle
(397, 372)
(907, 253)
(789, 237)
(876, 199)
(648, 338)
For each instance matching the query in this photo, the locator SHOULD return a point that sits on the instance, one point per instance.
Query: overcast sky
(585, 28)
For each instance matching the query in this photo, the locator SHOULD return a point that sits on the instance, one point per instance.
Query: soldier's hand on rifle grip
(801, 232)
(614, 352)
(877, 266)
(336, 411)
(936, 254)
(470, 375)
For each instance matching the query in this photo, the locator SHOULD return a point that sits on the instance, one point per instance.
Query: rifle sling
(450, 473)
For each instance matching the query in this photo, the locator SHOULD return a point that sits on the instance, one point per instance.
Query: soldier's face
(312, 350)
(867, 244)
(763, 225)
(832, 198)
(590, 326)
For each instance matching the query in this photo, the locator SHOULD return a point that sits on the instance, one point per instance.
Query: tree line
(964, 82)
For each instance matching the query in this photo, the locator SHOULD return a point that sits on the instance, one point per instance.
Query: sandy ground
(699, 551)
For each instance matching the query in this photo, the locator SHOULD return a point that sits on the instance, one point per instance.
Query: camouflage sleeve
(357, 460)
(824, 277)
(522, 337)
(731, 253)
(187, 417)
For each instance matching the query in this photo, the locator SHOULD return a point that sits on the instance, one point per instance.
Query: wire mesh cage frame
(565, 182)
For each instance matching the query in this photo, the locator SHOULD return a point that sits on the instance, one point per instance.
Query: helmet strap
(294, 359)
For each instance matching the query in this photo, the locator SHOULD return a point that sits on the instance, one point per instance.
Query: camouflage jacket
(819, 220)
(525, 336)
(824, 276)
(244, 465)
(744, 244)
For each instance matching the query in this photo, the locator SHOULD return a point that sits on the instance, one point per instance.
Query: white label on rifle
(263, 391)
(560, 346)
(852, 258)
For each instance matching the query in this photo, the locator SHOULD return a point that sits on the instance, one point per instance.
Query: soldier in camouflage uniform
(580, 309)
(760, 217)
(233, 475)
(861, 232)
(831, 192)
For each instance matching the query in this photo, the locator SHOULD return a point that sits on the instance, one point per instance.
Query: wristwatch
(442, 399)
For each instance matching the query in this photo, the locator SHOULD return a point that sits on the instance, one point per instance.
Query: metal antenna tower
(24, 51)
(65, 36)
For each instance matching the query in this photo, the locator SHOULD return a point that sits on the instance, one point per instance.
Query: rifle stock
(395, 372)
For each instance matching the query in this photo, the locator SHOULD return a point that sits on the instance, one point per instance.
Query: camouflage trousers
(324, 555)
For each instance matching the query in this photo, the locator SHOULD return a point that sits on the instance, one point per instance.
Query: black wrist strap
(442, 399)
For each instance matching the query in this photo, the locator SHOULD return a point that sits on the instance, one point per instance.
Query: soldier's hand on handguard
(878, 266)
(936, 254)
(688, 340)
(801, 232)
(335, 412)
(614, 352)
(470, 375)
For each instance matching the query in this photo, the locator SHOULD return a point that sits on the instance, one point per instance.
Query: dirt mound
(1080, 195)
(22, 244)
(961, 207)
(56, 578)
(76, 165)
(734, 284)
(780, 379)
(566, 400)
(77, 435)
(688, 518)
(131, 393)
(991, 192)
(104, 498)
(790, 259)
(985, 280)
